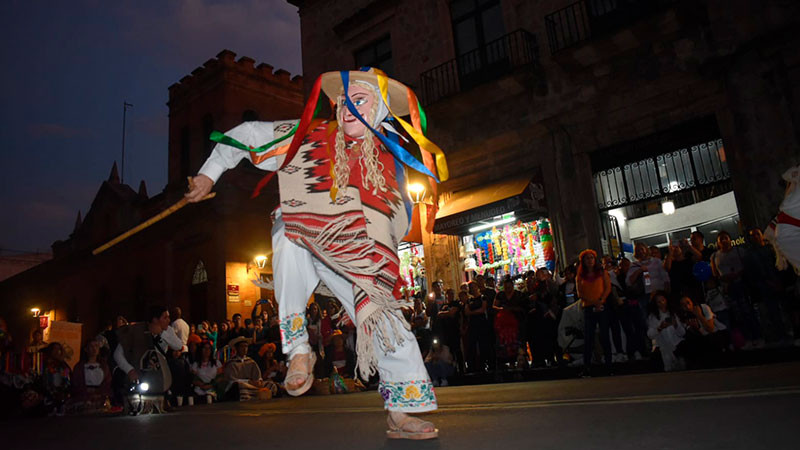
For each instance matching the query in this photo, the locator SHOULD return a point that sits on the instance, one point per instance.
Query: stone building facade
(572, 89)
(199, 258)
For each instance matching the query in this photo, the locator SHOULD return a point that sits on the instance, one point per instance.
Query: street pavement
(747, 407)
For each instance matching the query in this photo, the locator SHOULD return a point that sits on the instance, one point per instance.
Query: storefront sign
(44, 321)
(528, 203)
(233, 293)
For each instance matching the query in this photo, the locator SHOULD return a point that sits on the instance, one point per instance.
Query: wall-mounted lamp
(417, 192)
(261, 261)
(35, 312)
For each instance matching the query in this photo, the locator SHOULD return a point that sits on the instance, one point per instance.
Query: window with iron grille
(664, 174)
(377, 54)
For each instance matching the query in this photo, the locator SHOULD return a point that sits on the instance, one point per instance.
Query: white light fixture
(618, 214)
(416, 191)
(502, 221)
(261, 261)
(668, 208)
(35, 312)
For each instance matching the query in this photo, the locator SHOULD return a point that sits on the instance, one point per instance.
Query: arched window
(249, 116)
(200, 275)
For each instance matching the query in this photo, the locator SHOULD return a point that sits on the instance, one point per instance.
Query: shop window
(730, 224)
(377, 54)
(680, 170)
(477, 27)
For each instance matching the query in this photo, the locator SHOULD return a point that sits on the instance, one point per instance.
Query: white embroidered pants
(404, 381)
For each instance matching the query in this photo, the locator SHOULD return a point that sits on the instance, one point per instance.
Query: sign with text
(233, 293)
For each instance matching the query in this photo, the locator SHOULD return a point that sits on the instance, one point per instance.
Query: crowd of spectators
(682, 308)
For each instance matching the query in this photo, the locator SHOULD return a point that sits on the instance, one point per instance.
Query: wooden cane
(180, 204)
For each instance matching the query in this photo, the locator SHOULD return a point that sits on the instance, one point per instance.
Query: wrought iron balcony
(479, 66)
(586, 18)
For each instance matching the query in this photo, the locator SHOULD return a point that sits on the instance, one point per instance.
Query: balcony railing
(479, 66)
(586, 18)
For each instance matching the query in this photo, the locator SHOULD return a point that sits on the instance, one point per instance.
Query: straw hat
(398, 98)
(234, 342)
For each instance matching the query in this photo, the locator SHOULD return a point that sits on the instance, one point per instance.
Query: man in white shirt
(181, 328)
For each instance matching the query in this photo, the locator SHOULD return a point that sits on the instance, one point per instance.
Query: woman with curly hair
(593, 286)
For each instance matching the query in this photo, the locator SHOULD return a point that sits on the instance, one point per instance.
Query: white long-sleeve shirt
(224, 157)
(168, 339)
(182, 331)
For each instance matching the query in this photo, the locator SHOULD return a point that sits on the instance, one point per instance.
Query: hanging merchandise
(548, 250)
(412, 268)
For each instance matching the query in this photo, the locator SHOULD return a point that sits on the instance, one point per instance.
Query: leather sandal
(410, 427)
(296, 372)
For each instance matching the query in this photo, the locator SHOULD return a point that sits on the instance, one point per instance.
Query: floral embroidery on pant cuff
(293, 327)
(407, 394)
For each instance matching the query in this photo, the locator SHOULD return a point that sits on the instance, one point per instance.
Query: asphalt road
(749, 408)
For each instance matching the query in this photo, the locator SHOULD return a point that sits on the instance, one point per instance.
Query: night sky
(68, 67)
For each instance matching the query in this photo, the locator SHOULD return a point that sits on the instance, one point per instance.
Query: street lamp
(35, 312)
(417, 192)
(261, 261)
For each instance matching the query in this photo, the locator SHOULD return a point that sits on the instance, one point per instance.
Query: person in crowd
(593, 287)
(699, 251)
(646, 275)
(145, 344)
(435, 302)
(206, 372)
(449, 318)
(479, 340)
(274, 335)
(764, 283)
(314, 328)
(679, 266)
(37, 341)
(618, 320)
(180, 326)
(223, 334)
(567, 287)
(488, 289)
(242, 376)
(91, 379)
(213, 334)
(631, 314)
(192, 343)
(666, 331)
(338, 357)
(5, 338)
(260, 331)
(705, 338)
(716, 300)
(439, 362)
(543, 314)
(463, 287)
(329, 321)
(56, 379)
(728, 266)
(655, 252)
(271, 369)
(421, 325)
(236, 329)
(510, 309)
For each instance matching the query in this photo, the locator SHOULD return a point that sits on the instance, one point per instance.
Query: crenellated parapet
(245, 67)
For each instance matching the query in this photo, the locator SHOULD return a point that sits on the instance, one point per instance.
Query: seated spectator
(666, 331)
(715, 299)
(206, 371)
(242, 375)
(56, 379)
(339, 358)
(37, 341)
(705, 338)
(91, 379)
(271, 368)
(439, 363)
